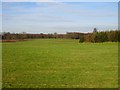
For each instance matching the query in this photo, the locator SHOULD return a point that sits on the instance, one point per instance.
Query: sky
(60, 0)
(60, 17)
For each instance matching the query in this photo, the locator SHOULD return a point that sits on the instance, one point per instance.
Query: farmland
(59, 63)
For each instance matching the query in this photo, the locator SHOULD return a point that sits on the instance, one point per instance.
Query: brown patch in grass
(8, 41)
(12, 40)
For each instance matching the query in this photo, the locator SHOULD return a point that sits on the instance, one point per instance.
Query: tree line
(101, 36)
(95, 36)
(24, 36)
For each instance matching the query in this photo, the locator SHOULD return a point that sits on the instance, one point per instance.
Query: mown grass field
(59, 63)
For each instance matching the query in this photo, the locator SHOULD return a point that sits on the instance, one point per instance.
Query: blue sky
(60, 17)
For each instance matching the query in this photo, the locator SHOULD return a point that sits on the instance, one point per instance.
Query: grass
(59, 63)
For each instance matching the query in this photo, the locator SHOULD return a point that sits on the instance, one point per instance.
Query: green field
(55, 63)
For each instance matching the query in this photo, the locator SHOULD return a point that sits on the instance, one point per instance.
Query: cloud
(39, 13)
(57, 7)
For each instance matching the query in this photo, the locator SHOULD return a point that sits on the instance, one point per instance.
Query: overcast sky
(60, 17)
